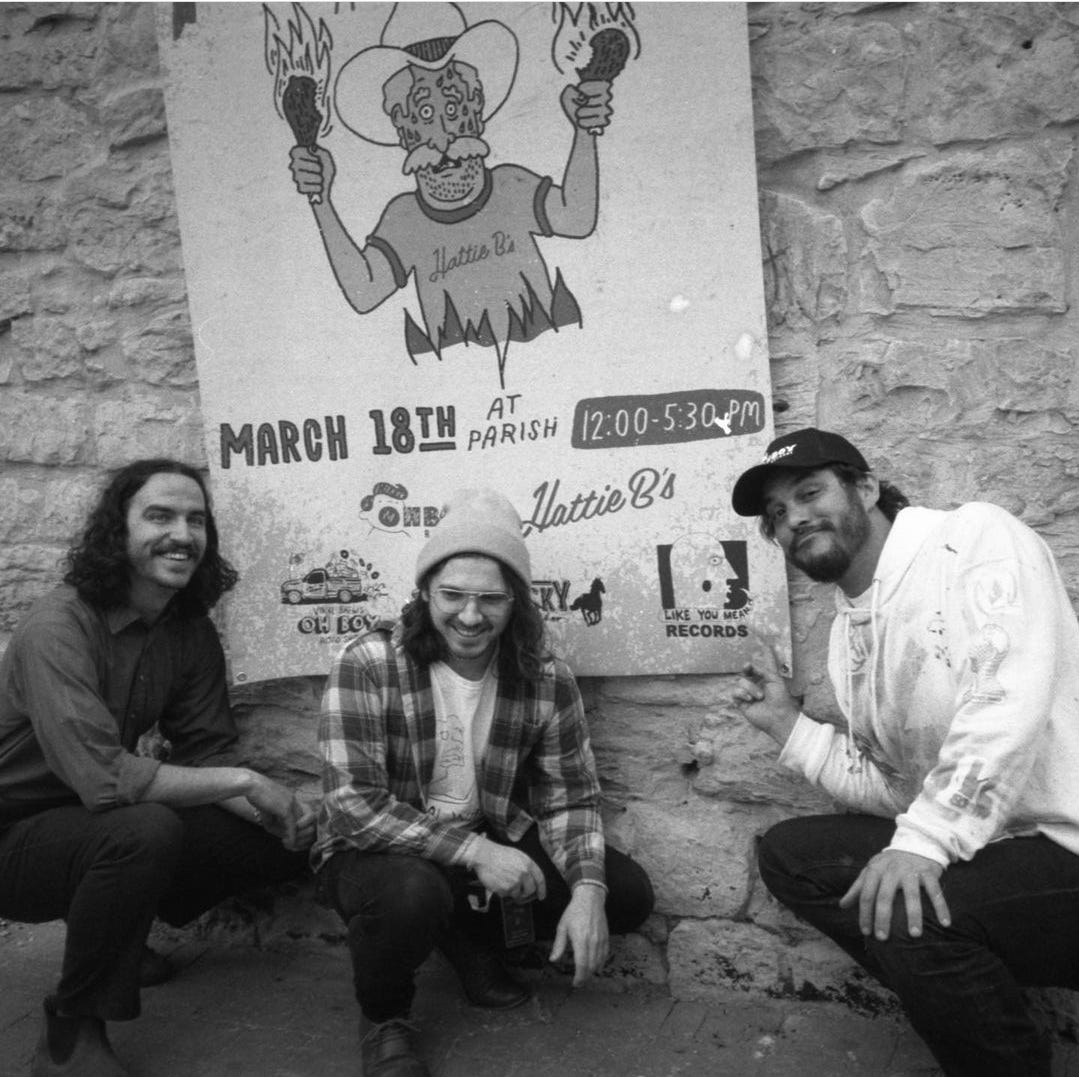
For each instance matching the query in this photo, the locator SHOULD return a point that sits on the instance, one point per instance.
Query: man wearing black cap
(457, 767)
(954, 877)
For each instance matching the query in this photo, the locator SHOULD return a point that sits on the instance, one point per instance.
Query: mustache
(174, 547)
(459, 149)
(814, 529)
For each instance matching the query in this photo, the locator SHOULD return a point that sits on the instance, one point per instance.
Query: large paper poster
(432, 246)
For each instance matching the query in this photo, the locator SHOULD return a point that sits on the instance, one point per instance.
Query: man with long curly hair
(92, 830)
(456, 770)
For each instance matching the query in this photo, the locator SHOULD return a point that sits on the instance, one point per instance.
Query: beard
(453, 184)
(847, 536)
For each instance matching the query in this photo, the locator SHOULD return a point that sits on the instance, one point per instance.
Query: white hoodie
(958, 673)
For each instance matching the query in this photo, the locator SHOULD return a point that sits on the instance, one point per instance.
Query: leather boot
(482, 974)
(74, 1047)
(387, 1050)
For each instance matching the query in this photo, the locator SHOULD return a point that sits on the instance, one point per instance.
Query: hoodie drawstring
(858, 653)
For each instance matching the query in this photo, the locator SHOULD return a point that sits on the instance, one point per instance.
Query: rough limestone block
(161, 352)
(49, 510)
(128, 52)
(844, 167)
(974, 233)
(795, 370)
(277, 741)
(805, 261)
(45, 138)
(736, 763)
(1000, 70)
(120, 218)
(966, 381)
(29, 220)
(135, 115)
(141, 424)
(47, 348)
(698, 854)
(640, 751)
(687, 691)
(823, 82)
(139, 291)
(14, 295)
(26, 572)
(47, 46)
(43, 430)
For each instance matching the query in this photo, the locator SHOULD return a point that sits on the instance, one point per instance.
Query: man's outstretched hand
(583, 928)
(763, 697)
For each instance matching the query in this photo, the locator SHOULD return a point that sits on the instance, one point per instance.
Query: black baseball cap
(804, 449)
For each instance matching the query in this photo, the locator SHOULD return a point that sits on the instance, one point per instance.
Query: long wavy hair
(890, 501)
(522, 647)
(98, 566)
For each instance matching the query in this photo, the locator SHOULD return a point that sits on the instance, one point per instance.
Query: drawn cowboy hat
(427, 36)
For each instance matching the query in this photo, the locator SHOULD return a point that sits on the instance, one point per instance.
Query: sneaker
(388, 1051)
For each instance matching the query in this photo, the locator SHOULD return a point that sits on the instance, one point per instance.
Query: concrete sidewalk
(287, 1011)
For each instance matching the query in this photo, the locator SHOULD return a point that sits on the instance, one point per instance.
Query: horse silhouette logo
(590, 603)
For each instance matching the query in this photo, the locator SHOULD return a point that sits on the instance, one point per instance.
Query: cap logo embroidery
(772, 457)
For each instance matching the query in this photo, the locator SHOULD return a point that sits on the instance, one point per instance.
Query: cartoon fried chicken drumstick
(610, 50)
(298, 105)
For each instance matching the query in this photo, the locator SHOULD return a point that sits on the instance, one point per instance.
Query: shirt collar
(461, 213)
(119, 618)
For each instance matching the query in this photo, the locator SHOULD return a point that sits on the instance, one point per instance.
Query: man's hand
(282, 814)
(588, 105)
(583, 926)
(508, 872)
(313, 173)
(888, 873)
(305, 829)
(764, 698)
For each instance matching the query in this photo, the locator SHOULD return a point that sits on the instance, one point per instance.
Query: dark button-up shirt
(79, 686)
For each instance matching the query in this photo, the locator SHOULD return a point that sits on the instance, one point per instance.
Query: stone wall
(918, 195)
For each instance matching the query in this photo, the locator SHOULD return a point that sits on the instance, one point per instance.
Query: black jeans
(398, 908)
(1015, 923)
(109, 873)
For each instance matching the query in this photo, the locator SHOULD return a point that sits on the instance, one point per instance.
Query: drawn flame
(306, 53)
(578, 24)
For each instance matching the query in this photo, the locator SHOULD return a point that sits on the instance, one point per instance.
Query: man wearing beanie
(953, 877)
(458, 777)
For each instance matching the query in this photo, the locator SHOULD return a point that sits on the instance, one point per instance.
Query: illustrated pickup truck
(319, 586)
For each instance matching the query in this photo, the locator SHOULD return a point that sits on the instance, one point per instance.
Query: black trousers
(1014, 923)
(108, 874)
(398, 909)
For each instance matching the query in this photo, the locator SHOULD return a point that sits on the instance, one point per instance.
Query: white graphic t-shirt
(464, 710)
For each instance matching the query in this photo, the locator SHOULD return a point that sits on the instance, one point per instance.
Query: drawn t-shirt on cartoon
(465, 259)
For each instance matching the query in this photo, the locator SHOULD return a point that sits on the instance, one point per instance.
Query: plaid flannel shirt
(377, 741)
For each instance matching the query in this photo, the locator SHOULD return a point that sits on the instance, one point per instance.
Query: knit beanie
(479, 521)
